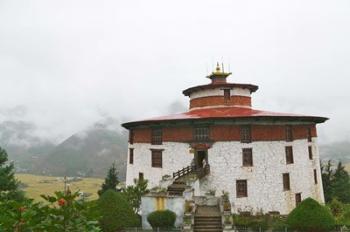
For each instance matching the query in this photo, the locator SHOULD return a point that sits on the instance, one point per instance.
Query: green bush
(162, 219)
(344, 219)
(253, 222)
(310, 216)
(116, 213)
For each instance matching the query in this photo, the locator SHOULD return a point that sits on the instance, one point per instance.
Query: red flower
(62, 202)
(22, 209)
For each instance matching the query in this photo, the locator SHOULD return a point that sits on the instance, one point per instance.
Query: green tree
(327, 178)
(111, 180)
(336, 182)
(341, 184)
(116, 213)
(134, 193)
(310, 216)
(8, 183)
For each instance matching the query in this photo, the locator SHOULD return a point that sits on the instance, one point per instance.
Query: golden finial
(218, 70)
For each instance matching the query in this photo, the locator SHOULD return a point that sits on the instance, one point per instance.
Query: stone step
(215, 226)
(203, 218)
(175, 193)
(207, 230)
(179, 182)
(177, 185)
(203, 223)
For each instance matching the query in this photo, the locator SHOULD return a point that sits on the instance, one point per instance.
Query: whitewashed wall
(265, 184)
(220, 92)
(175, 157)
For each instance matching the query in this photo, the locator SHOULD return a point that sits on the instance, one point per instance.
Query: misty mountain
(88, 153)
(339, 151)
(22, 146)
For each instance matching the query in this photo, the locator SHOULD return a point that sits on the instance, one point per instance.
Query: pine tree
(135, 192)
(341, 184)
(336, 182)
(8, 182)
(111, 180)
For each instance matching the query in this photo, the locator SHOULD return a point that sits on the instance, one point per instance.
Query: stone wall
(265, 185)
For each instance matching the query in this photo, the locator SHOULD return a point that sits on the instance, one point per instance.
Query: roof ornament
(219, 76)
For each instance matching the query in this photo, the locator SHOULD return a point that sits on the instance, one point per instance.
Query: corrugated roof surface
(226, 113)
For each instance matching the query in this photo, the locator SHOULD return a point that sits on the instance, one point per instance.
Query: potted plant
(187, 223)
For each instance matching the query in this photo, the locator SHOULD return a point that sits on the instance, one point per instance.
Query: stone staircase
(207, 219)
(177, 188)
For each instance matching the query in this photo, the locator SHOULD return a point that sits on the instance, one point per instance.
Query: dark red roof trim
(227, 113)
(252, 88)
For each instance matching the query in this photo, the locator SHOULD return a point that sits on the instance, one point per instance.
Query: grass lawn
(347, 167)
(37, 185)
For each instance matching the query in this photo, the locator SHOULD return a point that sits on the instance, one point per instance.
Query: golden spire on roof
(219, 72)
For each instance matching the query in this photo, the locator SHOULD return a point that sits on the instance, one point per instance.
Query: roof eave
(312, 119)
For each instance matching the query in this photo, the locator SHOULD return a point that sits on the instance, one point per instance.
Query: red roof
(227, 113)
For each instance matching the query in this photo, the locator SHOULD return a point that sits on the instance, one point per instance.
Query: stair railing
(201, 172)
(183, 172)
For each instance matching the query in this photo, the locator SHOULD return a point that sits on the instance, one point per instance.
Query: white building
(266, 161)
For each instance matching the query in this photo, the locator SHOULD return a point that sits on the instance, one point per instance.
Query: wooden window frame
(289, 155)
(227, 95)
(131, 136)
(247, 157)
(286, 181)
(241, 188)
(311, 155)
(246, 133)
(298, 199)
(131, 155)
(201, 134)
(309, 134)
(315, 177)
(289, 133)
(157, 162)
(157, 136)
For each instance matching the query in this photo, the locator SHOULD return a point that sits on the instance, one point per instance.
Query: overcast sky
(67, 64)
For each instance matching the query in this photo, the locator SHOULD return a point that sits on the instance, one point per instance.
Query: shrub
(253, 222)
(310, 216)
(116, 213)
(336, 207)
(162, 219)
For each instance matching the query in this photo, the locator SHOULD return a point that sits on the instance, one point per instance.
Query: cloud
(66, 62)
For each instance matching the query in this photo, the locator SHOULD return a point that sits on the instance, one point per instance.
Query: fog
(65, 65)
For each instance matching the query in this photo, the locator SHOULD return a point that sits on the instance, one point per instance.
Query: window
(309, 134)
(286, 182)
(156, 158)
(241, 188)
(289, 155)
(201, 134)
(131, 136)
(297, 198)
(315, 176)
(289, 133)
(131, 155)
(246, 136)
(141, 177)
(310, 153)
(157, 137)
(247, 157)
(227, 94)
